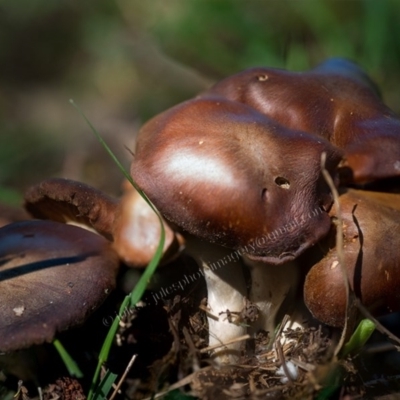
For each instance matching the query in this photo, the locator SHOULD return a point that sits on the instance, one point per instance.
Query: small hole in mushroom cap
(282, 182)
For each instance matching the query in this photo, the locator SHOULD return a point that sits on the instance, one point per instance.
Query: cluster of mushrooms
(236, 174)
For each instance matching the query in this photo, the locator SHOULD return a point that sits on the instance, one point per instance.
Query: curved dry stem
(351, 310)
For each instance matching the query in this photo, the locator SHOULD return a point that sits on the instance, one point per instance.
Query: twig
(303, 365)
(381, 347)
(216, 346)
(282, 325)
(209, 314)
(189, 341)
(128, 367)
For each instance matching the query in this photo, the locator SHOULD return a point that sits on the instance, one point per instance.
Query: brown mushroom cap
(224, 172)
(52, 276)
(64, 200)
(137, 230)
(335, 100)
(130, 223)
(371, 229)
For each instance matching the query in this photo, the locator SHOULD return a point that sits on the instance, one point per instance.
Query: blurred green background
(124, 61)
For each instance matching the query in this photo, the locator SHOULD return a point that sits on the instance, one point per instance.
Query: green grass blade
(105, 386)
(115, 159)
(137, 293)
(140, 287)
(105, 350)
(106, 347)
(358, 339)
(69, 362)
(102, 142)
(128, 302)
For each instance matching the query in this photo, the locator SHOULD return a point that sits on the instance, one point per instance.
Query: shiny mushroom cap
(224, 172)
(129, 223)
(371, 234)
(52, 277)
(335, 100)
(137, 230)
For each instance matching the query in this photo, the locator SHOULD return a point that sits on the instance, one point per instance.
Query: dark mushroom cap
(64, 200)
(129, 223)
(335, 100)
(222, 171)
(371, 229)
(52, 277)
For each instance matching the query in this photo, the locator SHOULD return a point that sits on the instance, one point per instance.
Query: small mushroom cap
(52, 277)
(64, 200)
(224, 172)
(371, 227)
(335, 100)
(130, 223)
(137, 231)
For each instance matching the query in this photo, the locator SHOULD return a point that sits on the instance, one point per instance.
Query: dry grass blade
(216, 346)
(303, 365)
(282, 361)
(279, 350)
(282, 326)
(209, 314)
(271, 354)
(120, 382)
(351, 309)
(22, 392)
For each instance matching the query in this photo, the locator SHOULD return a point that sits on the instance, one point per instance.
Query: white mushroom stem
(226, 292)
(271, 286)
